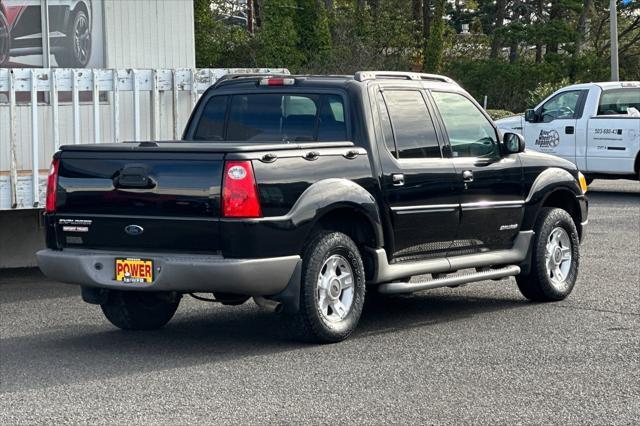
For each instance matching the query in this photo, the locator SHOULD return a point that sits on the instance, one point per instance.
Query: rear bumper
(172, 272)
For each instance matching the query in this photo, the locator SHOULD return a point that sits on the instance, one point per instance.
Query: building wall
(138, 34)
(149, 34)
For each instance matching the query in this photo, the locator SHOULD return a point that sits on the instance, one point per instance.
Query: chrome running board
(385, 272)
(492, 274)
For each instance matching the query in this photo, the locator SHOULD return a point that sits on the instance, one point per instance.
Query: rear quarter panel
(281, 185)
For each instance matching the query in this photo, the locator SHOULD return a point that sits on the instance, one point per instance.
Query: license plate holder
(134, 270)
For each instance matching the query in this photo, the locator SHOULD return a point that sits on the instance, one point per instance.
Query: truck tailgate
(149, 200)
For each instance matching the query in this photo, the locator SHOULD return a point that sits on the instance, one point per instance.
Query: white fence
(41, 109)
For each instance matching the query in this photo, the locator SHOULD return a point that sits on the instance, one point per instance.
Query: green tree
(277, 39)
(312, 25)
(435, 42)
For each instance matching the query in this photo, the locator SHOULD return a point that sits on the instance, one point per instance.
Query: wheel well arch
(357, 225)
(565, 199)
(636, 165)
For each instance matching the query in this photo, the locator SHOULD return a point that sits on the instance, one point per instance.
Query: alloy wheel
(335, 289)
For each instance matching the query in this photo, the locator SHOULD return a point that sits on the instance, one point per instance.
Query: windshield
(268, 117)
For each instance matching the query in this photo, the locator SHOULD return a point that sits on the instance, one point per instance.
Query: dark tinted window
(211, 126)
(385, 122)
(277, 117)
(413, 129)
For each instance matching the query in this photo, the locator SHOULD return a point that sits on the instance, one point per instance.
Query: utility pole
(613, 21)
(250, 16)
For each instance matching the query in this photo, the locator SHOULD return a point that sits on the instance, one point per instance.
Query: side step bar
(385, 272)
(393, 288)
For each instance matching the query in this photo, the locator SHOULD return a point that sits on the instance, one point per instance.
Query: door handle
(397, 179)
(569, 130)
(467, 176)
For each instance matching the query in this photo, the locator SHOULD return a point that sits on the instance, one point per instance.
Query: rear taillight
(239, 190)
(52, 186)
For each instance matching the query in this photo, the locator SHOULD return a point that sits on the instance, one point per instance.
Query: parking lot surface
(474, 354)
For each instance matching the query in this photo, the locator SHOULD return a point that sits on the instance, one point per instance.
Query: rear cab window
(624, 101)
(270, 117)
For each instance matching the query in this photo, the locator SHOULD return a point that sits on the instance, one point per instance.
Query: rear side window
(413, 130)
(619, 102)
(274, 117)
(385, 122)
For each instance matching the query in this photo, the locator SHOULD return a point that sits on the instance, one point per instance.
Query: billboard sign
(74, 27)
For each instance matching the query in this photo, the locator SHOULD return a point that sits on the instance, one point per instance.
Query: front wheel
(137, 310)
(555, 258)
(332, 289)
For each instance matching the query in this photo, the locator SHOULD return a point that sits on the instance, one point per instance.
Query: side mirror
(530, 116)
(513, 142)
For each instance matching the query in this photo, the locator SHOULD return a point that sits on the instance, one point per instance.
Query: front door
(489, 184)
(418, 183)
(555, 130)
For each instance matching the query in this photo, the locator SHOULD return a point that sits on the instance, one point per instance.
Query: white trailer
(42, 108)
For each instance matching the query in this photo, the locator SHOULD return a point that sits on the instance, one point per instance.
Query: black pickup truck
(306, 193)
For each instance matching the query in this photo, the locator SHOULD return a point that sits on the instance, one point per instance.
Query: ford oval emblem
(133, 229)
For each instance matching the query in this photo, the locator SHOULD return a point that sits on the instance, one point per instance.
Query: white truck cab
(594, 125)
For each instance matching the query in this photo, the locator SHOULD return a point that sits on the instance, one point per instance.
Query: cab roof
(335, 80)
(606, 85)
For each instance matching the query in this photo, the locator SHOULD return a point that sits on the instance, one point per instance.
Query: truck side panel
(613, 143)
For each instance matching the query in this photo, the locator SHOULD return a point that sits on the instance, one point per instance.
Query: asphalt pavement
(476, 354)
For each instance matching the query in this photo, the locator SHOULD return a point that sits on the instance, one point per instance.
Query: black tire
(313, 325)
(5, 41)
(76, 48)
(538, 285)
(136, 310)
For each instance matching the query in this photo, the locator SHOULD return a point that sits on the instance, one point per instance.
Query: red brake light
(239, 190)
(52, 186)
(272, 81)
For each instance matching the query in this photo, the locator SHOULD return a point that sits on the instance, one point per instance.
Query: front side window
(620, 102)
(562, 106)
(470, 133)
(267, 117)
(413, 130)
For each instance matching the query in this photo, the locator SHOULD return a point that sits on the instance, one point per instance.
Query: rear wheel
(555, 258)
(136, 310)
(332, 288)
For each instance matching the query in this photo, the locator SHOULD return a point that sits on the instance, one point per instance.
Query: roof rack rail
(373, 75)
(238, 76)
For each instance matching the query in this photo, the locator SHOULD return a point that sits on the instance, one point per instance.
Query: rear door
(489, 184)
(418, 183)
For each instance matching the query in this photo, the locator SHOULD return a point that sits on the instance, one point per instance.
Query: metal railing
(47, 84)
